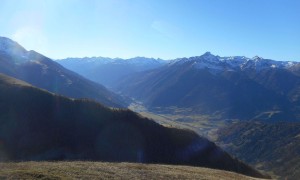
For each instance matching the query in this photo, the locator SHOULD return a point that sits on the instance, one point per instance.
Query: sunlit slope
(101, 170)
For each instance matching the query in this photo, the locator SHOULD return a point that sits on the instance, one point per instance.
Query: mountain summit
(45, 73)
(7, 45)
(216, 64)
(11, 48)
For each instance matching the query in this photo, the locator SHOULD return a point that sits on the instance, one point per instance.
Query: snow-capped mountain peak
(257, 58)
(209, 57)
(7, 45)
(215, 64)
(12, 48)
(206, 61)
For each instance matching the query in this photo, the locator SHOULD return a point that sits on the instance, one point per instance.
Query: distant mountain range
(234, 87)
(216, 64)
(231, 87)
(38, 125)
(108, 71)
(43, 72)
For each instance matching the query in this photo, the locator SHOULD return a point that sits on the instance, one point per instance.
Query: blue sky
(154, 28)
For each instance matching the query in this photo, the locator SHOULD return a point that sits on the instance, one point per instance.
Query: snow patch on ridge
(12, 48)
(216, 64)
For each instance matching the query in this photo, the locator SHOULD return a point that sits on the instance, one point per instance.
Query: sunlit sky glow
(154, 28)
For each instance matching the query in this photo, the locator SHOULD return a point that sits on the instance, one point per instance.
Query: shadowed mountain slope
(37, 125)
(267, 146)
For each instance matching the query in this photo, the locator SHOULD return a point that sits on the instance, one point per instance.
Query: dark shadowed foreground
(37, 125)
(100, 170)
(267, 146)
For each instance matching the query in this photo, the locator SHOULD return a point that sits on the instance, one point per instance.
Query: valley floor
(104, 170)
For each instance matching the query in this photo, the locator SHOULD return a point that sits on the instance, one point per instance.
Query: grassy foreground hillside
(101, 170)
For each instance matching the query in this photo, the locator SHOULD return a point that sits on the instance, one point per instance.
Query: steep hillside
(228, 87)
(37, 125)
(44, 73)
(108, 71)
(96, 170)
(267, 146)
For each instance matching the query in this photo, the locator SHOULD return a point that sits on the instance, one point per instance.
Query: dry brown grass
(104, 170)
